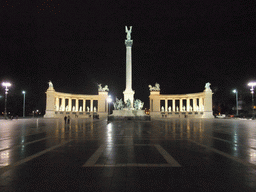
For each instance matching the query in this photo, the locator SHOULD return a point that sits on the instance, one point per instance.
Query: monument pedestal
(129, 94)
(123, 113)
(126, 114)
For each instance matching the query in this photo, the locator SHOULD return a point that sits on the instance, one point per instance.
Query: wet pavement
(157, 155)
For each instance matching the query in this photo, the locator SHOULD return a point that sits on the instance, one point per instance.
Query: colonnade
(65, 104)
(57, 103)
(199, 104)
(191, 104)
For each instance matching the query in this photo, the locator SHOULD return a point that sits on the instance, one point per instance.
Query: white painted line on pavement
(246, 163)
(15, 146)
(167, 156)
(91, 162)
(93, 159)
(6, 168)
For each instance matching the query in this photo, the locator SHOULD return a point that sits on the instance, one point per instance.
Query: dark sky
(77, 44)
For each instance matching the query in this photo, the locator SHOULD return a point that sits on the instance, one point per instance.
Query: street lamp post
(236, 92)
(24, 93)
(109, 101)
(252, 84)
(6, 85)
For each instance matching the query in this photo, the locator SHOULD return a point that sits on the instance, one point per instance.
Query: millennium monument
(129, 109)
(128, 93)
(191, 105)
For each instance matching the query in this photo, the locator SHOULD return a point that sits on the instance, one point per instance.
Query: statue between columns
(128, 36)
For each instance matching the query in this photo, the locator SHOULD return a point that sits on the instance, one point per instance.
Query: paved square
(96, 155)
(128, 158)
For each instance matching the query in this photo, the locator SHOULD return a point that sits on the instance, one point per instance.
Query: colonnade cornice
(75, 96)
(183, 95)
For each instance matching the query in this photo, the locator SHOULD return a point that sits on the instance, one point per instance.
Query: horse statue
(102, 89)
(138, 104)
(118, 105)
(155, 88)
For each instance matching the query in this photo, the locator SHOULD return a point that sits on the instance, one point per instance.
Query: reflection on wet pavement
(205, 152)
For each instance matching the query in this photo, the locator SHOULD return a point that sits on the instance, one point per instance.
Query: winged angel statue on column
(128, 36)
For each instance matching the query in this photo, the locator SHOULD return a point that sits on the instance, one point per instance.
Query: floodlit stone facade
(196, 105)
(60, 104)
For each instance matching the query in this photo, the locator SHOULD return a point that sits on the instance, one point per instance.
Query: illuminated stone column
(84, 105)
(129, 93)
(77, 105)
(188, 104)
(200, 104)
(91, 108)
(69, 104)
(173, 105)
(57, 104)
(180, 104)
(194, 104)
(166, 105)
(63, 103)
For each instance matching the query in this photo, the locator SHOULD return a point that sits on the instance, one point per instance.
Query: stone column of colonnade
(76, 109)
(200, 104)
(63, 103)
(84, 105)
(194, 104)
(69, 104)
(188, 104)
(57, 103)
(91, 107)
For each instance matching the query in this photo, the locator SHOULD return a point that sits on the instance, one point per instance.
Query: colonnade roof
(179, 96)
(77, 96)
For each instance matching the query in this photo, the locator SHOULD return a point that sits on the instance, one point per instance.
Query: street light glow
(252, 84)
(236, 92)
(24, 93)
(6, 84)
(109, 99)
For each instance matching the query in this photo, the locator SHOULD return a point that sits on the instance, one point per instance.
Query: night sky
(77, 44)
